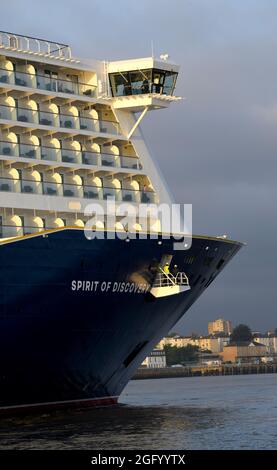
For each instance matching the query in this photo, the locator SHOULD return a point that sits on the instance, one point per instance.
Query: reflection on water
(237, 412)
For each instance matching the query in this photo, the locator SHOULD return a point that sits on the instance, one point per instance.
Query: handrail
(56, 114)
(65, 121)
(54, 79)
(37, 146)
(14, 230)
(164, 279)
(23, 43)
(167, 276)
(182, 278)
(32, 37)
(67, 186)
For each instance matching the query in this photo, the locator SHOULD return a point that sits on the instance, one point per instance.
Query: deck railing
(164, 279)
(8, 231)
(36, 46)
(51, 188)
(65, 121)
(85, 157)
(47, 83)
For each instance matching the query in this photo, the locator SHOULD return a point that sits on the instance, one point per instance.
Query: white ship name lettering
(108, 286)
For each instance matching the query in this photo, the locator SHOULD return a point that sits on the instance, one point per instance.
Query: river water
(233, 412)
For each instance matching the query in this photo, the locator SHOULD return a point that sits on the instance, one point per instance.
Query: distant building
(244, 351)
(177, 341)
(155, 360)
(269, 340)
(214, 344)
(211, 343)
(220, 326)
(209, 359)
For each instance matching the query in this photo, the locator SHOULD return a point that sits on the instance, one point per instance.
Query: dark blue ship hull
(65, 340)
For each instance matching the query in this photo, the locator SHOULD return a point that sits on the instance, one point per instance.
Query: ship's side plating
(61, 344)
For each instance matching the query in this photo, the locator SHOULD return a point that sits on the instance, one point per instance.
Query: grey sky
(217, 148)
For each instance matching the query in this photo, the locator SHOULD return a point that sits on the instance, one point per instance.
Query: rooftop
(141, 64)
(244, 344)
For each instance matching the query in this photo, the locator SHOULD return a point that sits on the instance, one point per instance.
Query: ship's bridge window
(169, 82)
(139, 82)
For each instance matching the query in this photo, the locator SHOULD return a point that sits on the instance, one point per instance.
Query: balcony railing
(84, 157)
(66, 121)
(50, 188)
(44, 82)
(8, 231)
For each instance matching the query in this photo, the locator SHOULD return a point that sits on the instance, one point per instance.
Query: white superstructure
(69, 133)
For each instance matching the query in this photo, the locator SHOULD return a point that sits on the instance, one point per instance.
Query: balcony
(47, 83)
(51, 188)
(60, 120)
(19, 230)
(10, 231)
(84, 157)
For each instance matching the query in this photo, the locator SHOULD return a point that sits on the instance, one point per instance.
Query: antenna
(152, 48)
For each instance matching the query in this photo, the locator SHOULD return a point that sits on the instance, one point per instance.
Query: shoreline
(201, 371)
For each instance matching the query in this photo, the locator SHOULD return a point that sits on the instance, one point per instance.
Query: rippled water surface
(237, 412)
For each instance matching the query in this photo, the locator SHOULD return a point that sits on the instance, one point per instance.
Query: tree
(176, 355)
(241, 333)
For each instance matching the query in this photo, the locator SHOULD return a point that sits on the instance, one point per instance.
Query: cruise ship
(78, 313)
